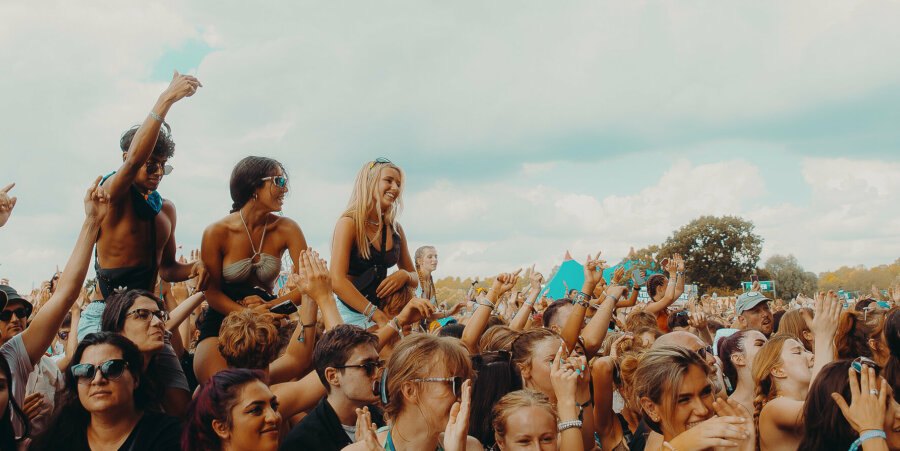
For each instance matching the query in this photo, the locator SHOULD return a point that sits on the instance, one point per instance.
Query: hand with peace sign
(6, 203)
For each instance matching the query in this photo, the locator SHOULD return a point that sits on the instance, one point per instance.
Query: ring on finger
(873, 392)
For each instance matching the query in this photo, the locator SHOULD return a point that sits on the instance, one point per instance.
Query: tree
(718, 252)
(790, 278)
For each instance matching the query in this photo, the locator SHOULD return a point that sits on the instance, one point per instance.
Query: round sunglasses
(110, 370)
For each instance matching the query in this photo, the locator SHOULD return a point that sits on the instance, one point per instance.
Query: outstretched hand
(457, 431)
(6, 203)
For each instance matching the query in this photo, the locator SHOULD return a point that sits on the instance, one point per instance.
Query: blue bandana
(146, 205)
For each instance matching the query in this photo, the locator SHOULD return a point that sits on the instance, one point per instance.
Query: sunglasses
(278, 180)
(63, 335)
(455, 383)
(378, 160)
(704, 351)
(153, 166)
(6, 315)
(858, 363)
(370, 366)
(110, 370)
(146, 314)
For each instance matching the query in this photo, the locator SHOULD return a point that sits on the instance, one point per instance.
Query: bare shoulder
(286, 224)
(220, 227)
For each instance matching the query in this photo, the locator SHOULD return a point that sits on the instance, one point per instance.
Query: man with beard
(753, 312)
(346, 360)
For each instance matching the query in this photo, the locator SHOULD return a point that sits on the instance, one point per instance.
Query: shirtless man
(137, 237)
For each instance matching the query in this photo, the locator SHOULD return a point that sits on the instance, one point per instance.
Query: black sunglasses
(110, 369)
(704, 351)
(370, 366)
(6, 315)
(63, 335)
(153, 166)
(858, 362)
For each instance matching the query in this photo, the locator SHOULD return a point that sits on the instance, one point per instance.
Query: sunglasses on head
(369, 366)
(704, 351)
(858, 363)
(279, 180)
(110, 370)
(455, 383)
(153, 166)
(380, 160)
(6, 315)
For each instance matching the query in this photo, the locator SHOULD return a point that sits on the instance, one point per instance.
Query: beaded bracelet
(563, 425)
(872, 433)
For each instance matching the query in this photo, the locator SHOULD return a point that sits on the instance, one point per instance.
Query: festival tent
(571, 274)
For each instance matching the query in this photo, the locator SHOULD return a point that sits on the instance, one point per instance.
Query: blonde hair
(424, 283)
(496, 338)
(362, 201)
(522, 347)
(415, 357)
(638, 319)
(792, 323)
(248, 340)
(767, 359)
(659, 373)
(394, 302)
(518, 399)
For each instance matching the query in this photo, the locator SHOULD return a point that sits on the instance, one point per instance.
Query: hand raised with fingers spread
(828, 312)
(868, 400)
(679, 263)
(6, 203)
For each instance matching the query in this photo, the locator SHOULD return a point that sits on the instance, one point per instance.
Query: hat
(10, 295)
(748, 300)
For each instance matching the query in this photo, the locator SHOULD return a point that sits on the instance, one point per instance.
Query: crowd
(209, 353)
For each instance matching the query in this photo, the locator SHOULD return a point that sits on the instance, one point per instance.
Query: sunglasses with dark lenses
(153, 166)
(6, 315)
(278, 180)
(63, 335)
(704, 351)
(455, 383)
(110, 370)
(370, 366)
(144, 314)
(858, 363)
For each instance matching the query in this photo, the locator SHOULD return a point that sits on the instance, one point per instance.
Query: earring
(255, 196)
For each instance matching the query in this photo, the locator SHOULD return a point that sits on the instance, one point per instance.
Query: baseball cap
(749, 300)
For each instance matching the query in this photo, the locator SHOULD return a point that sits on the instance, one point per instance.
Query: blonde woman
(425, 390)
(783, 371)
(367, 242)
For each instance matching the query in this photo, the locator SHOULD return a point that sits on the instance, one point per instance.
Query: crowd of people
(359, 353)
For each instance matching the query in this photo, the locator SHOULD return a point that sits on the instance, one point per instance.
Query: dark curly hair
(164, 147)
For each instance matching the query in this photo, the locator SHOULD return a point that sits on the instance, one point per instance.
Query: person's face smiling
(388, 187)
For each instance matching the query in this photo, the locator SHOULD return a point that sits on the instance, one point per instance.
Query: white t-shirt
(20, 365)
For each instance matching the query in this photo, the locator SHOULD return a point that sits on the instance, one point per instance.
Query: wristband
(872, 433)
(563, 425)
(303, 331)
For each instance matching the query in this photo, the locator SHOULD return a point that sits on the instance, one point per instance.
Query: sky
(525, 128)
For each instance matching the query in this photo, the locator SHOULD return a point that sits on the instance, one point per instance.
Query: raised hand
(535, 279)
(593, 272)
(679, 263)
(618, 274)
(671, 267)
(828, 312)
(867, 407)
(6, 203)
(564, 377)
(96, 202)
(505, 282)
(181, 86)
(315, 279)
(365, 430)
(457, 431)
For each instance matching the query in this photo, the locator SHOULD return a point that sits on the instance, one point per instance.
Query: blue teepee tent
(571, 274)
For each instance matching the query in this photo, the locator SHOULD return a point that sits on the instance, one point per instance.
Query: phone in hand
(638, 279)
(285, 308)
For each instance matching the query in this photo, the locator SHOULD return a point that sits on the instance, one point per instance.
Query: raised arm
(39, 334)
(824, 325)
(6, 203)
(593, 272)
(518, 322)
(476, 325)
(144, 139)
(595, 331)
(655, 307)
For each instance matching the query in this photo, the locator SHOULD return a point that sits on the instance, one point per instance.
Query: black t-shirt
(154, 432)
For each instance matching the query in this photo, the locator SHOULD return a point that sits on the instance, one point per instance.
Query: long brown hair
(660, 371)
(793, 323)
(855, 329)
